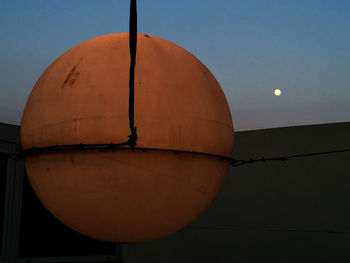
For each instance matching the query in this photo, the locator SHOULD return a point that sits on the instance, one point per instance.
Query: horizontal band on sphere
(121, 146)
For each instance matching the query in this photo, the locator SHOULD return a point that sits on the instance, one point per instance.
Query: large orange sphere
(120, 195)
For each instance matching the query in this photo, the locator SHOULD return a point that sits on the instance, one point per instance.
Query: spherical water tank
(123, 195)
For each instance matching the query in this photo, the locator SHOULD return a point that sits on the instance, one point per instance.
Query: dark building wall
(9, 133)
(291, 211)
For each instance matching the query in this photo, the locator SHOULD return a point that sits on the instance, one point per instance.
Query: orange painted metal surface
(119, 195)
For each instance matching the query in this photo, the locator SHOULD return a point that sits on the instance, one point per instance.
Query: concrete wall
(292, 211)
(9, 133)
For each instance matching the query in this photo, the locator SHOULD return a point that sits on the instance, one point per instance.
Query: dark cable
(287, 157)
(132, 46)
(232, 161)
(119, 146)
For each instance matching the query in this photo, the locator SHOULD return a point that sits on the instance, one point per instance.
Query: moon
(277, 92)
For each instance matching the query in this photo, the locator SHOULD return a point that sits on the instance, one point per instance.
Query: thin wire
(287, 157)
(121, 146)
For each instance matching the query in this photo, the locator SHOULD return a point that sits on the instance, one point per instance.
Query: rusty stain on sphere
(120, 195)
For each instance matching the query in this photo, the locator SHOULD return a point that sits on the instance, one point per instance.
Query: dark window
(42, 235)
(3, 171)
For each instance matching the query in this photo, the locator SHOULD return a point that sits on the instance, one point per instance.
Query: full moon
(277, 92)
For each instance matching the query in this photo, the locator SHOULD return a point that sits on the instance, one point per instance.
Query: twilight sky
(251, 46)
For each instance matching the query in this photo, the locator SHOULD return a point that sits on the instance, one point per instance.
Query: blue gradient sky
(252, 47)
